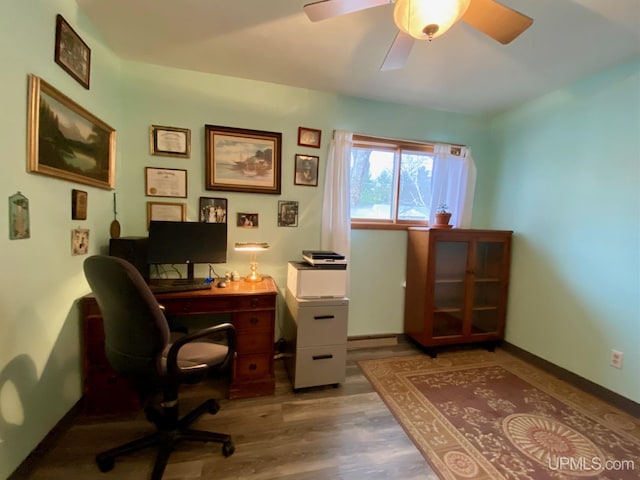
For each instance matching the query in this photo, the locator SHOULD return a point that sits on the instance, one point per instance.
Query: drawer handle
(252, 366)
(254, 302)
(322, 357)
(253, 320)
(323, 317)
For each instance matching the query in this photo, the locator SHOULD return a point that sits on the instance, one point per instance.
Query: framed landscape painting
(66, 141)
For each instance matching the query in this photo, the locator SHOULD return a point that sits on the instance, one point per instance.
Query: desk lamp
(253, 248)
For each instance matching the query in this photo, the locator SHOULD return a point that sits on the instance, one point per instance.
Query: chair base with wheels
(171, 431)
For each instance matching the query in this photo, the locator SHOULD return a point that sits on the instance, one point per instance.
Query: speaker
(133, 250)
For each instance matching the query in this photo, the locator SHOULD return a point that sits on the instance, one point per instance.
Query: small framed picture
(79, 241)
(306, 171)
(71, 53)
(18, 217)
(247, 220)
(78, 204)
(165, 182)
(213, 210)
(170, 141)
(287, 213)
(169, 212)
(309, 137)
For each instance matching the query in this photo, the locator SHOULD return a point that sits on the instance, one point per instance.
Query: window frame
(397, 146)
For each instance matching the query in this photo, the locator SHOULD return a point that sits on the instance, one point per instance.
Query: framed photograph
(287, 213)
(306, 171)
(19, 217)
(213, 210)
(78, 204)
(165, 182)
(170, 141)
(71, 53)
(241, 160)
(168, 212)
(247, 220)
(83, 147)
(79, 241)
(309, 137)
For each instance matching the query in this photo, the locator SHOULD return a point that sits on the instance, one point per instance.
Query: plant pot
(442, 220)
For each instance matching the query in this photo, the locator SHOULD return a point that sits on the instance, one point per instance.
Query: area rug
(488, 415)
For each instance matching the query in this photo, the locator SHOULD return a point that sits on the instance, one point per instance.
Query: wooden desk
(252, 307)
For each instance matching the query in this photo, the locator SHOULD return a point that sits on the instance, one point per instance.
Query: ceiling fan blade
(398, 52)
(333, 8)
(495, 20)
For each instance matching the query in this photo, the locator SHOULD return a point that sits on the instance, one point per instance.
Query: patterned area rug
(483, 415)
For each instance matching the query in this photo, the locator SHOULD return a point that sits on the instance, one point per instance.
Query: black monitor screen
(187, 242)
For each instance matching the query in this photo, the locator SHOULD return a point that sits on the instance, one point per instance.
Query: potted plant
(442, 217)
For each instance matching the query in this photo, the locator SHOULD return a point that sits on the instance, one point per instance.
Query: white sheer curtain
(336, 216)
(453, 183)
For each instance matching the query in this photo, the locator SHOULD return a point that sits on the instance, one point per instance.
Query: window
(390, 182)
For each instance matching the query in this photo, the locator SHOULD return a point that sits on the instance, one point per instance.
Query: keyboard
(179, 287)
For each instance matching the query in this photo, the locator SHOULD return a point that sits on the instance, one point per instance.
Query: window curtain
(336, 215)
(453, 183)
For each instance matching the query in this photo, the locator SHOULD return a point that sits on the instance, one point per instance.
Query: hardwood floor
(322, 433)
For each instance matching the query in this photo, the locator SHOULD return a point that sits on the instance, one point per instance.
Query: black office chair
(137, 345)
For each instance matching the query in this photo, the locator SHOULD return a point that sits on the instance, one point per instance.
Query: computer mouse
(222, 283)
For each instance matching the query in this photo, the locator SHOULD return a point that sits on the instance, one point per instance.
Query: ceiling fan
(429, 19)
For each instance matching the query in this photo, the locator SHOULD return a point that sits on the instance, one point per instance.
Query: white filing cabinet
(315, 331)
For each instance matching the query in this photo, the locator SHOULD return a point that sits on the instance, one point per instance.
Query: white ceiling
(462, 71)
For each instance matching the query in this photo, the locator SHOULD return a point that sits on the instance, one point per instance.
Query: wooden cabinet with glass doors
(457, 284)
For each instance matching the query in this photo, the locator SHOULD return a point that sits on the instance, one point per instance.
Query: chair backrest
(136, 330)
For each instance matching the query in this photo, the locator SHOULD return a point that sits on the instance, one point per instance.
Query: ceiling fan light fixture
(428, 19)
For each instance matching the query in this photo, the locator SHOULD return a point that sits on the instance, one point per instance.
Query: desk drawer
(255, 343)
(252, 366)
(261, 321)
(195, 304)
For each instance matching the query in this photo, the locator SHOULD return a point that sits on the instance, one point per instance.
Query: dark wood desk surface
(252, 307)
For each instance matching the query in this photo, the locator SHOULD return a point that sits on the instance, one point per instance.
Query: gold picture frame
(54, 148)
(166, 211)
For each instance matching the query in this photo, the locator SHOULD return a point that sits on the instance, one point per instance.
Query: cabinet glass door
(487, 287)
(449, 288)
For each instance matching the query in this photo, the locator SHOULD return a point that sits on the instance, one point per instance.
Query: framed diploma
(170, 141)
(168, 212)
(165, 182)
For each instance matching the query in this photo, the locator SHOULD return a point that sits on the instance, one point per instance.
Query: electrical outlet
(616, 359)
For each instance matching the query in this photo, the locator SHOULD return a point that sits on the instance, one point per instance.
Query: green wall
(568, 184)
(39, 345)
(573, 280)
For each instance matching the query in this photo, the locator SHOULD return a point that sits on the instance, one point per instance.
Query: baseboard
(615, 399)
(26, 468)
(372, 341)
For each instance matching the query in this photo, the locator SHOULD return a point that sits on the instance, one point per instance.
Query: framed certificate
(168, 212)
(165, 182)
(170, 141)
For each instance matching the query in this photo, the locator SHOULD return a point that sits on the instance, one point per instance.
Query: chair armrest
(172, 355)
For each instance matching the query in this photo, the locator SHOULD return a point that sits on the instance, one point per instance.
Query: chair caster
(105, 464)
(213, 407)
(228, 448)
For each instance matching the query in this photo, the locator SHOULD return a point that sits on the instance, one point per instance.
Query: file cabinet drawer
(322, 325)
(321, 365)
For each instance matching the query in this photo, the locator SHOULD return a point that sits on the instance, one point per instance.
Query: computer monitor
(187, 243)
